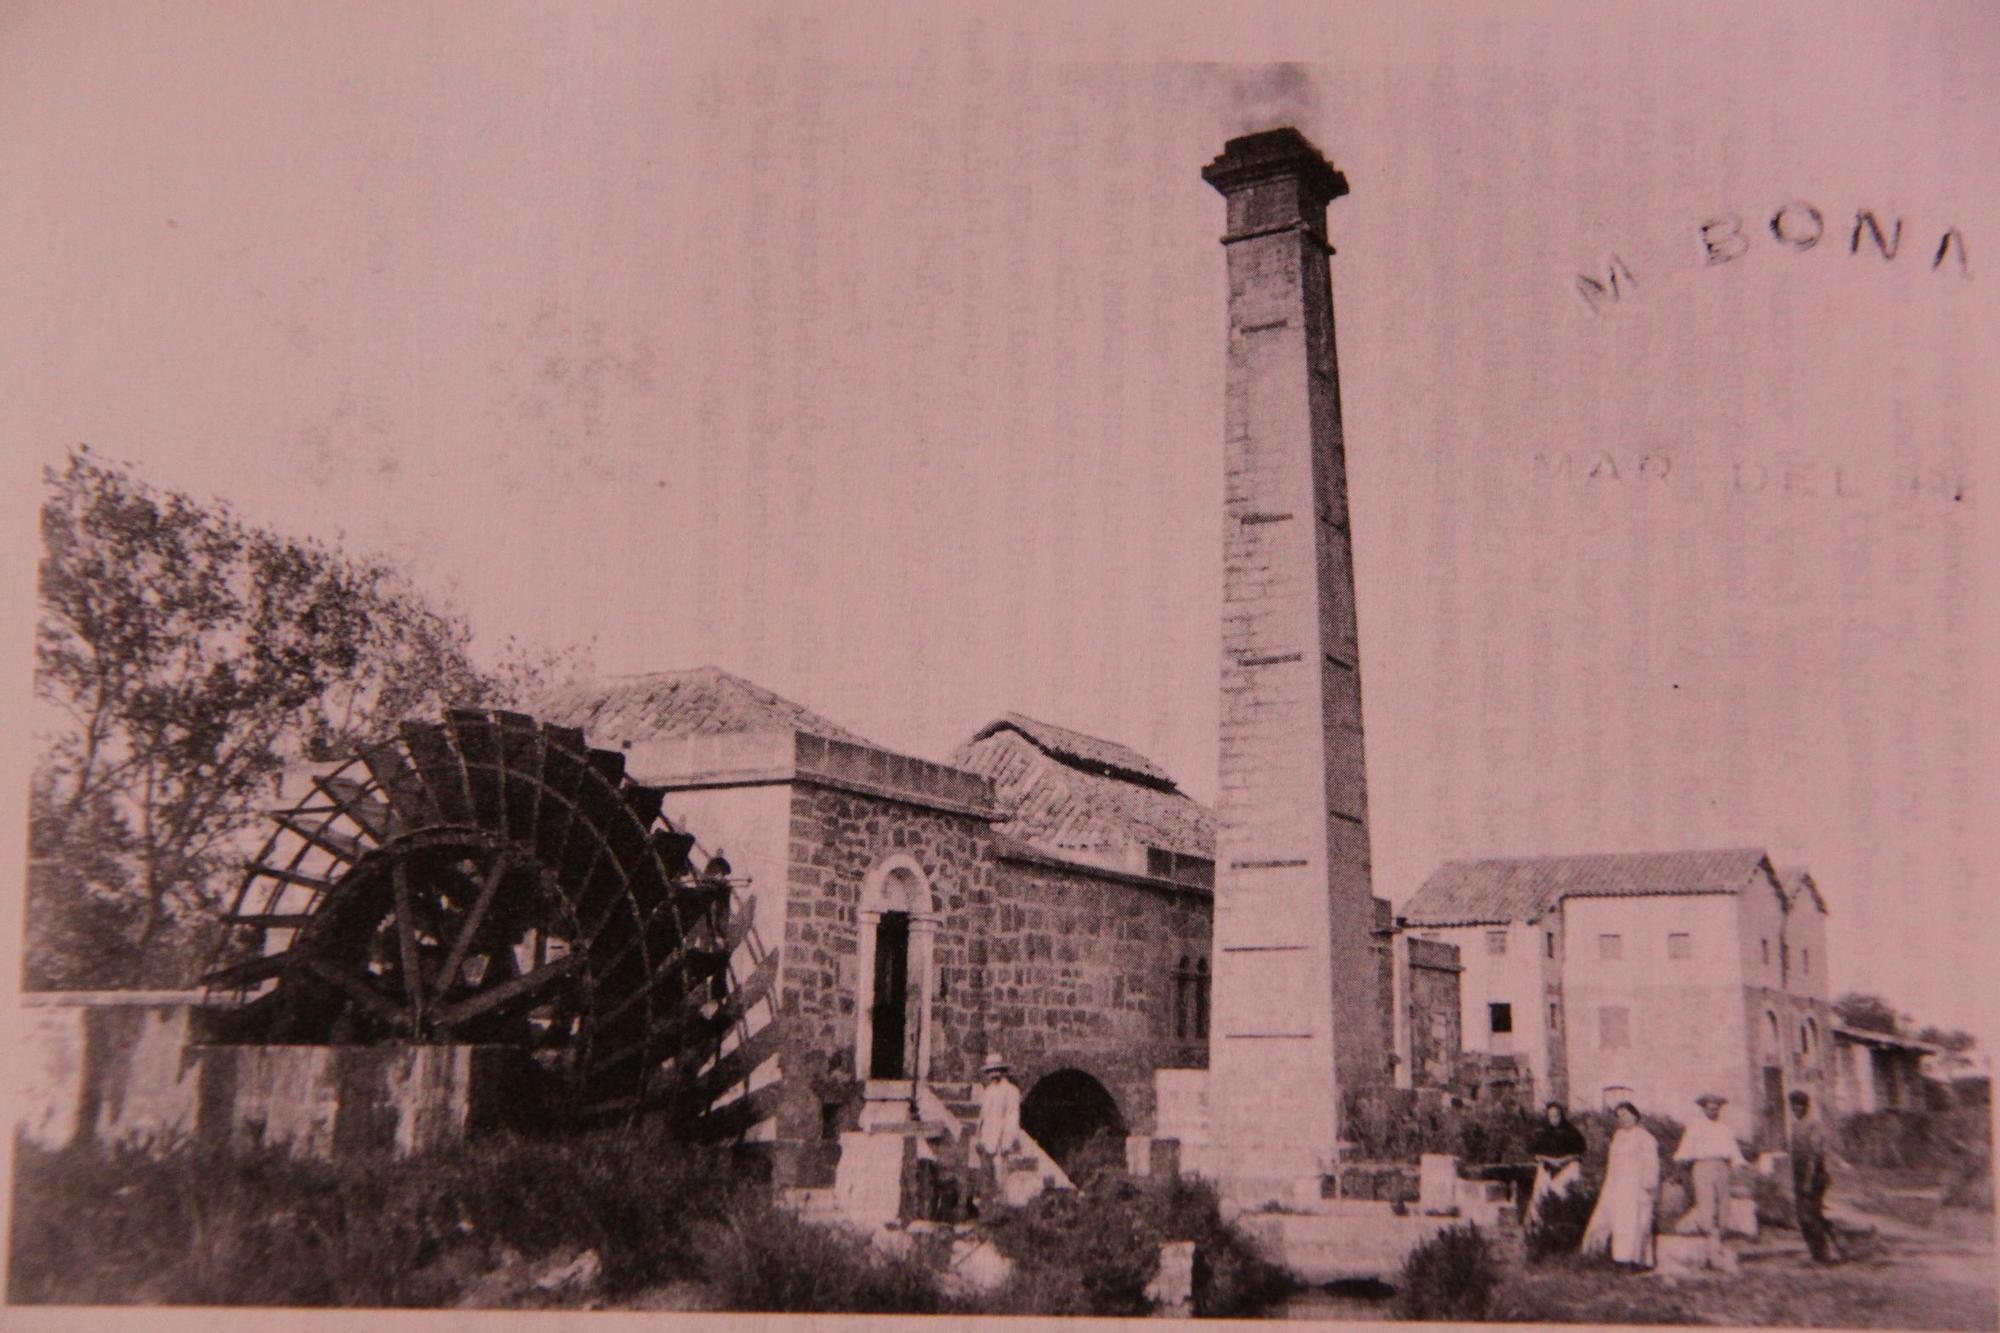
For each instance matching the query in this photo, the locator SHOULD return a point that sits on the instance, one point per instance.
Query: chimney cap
(1271, 155)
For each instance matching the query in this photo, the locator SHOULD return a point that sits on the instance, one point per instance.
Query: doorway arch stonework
(896, 886)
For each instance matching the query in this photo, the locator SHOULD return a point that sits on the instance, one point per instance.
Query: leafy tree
(189, 658)
(1868, 1011)
(1956, 1042)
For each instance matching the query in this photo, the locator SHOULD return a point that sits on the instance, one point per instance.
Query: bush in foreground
(1559, 1222)
(1450, 1276)
(1094, 1252)
(759, 1257)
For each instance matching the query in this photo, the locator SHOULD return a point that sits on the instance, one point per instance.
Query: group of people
(1622, 1224)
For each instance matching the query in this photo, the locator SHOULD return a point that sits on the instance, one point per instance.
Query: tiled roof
(1796, 880)
(662, 705)
(1519, 889)
(1056, 805)
(1088, 753)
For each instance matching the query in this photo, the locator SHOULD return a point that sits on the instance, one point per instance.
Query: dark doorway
(1064, 1110)
(889, 1015)
(1774, 1107)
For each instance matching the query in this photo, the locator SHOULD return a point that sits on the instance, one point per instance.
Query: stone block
(1342, 1240)
(976, 1267)
(49, 1060)
(1172, 1289)
(1437, 1183)
(1690, 1256)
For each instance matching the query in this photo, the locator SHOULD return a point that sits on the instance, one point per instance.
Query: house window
(1496, 942)
(1805, 960)
(1765, 945)
(1500, 1017)
(1554, 1014)
(1776, 1046)
(1549, 940)
(1201, 999)
(1680, 944)
(1183, 999)
(1614, 1028)
(1610, 946)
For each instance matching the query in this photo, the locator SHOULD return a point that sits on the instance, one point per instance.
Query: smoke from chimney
(1249, 98)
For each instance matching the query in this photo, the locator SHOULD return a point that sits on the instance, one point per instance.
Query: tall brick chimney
(1295, 991)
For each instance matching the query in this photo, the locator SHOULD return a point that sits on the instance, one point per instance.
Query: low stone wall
(126, 1069)
(107, 1066)
(327, 1101)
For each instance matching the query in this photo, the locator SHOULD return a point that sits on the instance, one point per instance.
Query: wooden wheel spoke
(359, 990)
(506, 993)
(250, 971)
(406, 938)
(473, 921)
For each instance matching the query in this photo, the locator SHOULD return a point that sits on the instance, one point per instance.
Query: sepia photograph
(694, 661)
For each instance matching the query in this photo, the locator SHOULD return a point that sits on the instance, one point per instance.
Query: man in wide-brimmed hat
(999, 1130)
(1710, 1147)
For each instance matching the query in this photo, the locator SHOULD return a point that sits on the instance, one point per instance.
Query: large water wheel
(493, 880)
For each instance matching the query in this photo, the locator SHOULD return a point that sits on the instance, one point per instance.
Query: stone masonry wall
(1080, 975)
(837, 837)
(1435, 1040)
(1054, 967)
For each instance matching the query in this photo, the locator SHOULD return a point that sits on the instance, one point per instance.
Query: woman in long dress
(1623, 1220)
(1558, 1149)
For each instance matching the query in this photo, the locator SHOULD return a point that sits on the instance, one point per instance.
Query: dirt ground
(1923, 1267)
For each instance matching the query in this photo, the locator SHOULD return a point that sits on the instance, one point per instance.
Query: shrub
(761, 1257)
(1097, 1160)
(1394, 1125)
(1559, 1222)
(1931, 1140)
(1095, 1252)
(1450, 1276)
(1773, 1196)
(192, 1225)
(1111, 1245)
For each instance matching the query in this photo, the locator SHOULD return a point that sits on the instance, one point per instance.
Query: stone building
(1649, 977)
(1046, 894)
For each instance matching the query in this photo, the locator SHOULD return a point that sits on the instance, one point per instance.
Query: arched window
(1201, 1000)
(1808, 1037)
(1183, 999)
(1776, 1047)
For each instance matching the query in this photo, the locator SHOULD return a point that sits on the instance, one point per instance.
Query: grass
(476, 1223)
(1888, 1295)
(192, 1226)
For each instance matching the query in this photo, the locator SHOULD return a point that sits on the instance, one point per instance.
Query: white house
(1646, 977)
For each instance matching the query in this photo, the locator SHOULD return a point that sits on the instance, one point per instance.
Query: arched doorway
(1065, 1109)
(898, 925)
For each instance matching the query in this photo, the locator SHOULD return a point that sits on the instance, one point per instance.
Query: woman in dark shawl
(1558, 1149)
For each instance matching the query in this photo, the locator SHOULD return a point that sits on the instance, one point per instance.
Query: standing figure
(1711, 1147)
(1558, 1148)
(999, 1131)
(1622, 1223)
(1810, 1181)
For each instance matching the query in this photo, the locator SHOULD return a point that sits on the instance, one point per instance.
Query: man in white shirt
(999, 1130)
(1710, 1146)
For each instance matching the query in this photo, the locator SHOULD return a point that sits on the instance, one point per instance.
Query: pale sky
(880, 360)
